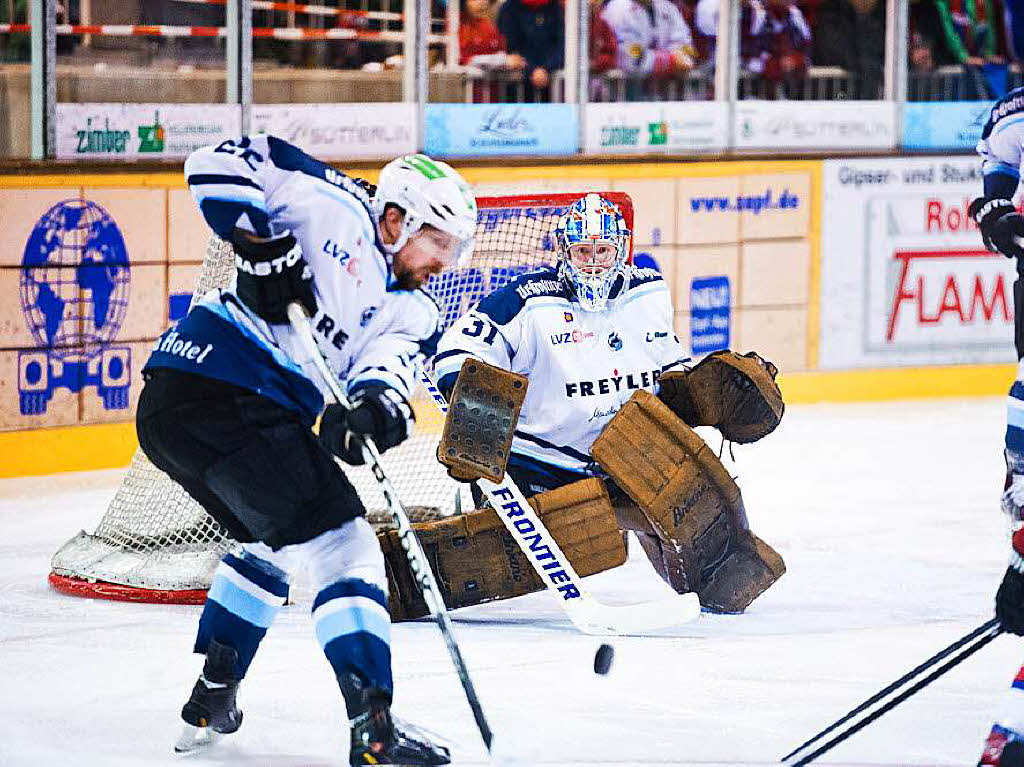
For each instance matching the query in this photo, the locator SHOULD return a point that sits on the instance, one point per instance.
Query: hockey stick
(557, 572)
(418, 564)
(974, 641)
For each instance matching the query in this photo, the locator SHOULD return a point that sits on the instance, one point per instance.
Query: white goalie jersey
(582, 366)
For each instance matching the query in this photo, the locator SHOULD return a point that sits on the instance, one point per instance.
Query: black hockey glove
(272, 274)
(378, 412)
(1000, 225)
(1010, 601)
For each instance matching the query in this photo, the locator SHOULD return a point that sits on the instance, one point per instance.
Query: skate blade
(194, 738)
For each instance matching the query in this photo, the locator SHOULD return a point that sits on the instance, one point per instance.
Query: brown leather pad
(475, 560)
(689, 513)
(482, 417)
(735, 393)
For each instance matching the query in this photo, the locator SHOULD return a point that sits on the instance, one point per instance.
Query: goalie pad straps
(735, 393)
(482, 417)
(476, 560)
(688, 511)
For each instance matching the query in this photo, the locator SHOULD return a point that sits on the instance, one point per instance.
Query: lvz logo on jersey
(334, 250)
(325, 327)
(643, 380)
(570, 337)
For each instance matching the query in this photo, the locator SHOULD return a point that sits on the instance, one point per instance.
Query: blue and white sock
(243, 600)
(354, 630)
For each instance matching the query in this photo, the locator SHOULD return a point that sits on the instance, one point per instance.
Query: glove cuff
(982, 209)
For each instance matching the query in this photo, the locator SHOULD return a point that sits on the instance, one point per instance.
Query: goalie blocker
(685, 508)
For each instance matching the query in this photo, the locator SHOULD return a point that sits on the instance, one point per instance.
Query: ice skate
(211, 712)
(380, 738)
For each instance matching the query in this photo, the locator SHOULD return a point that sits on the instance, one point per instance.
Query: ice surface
(887, 516)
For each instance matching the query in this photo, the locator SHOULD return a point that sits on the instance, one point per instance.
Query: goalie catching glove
(377, 411)
(271, 275)
(735, 393)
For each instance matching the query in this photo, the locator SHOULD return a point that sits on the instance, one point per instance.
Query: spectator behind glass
(652, 37)
(851, 34)
(1015, 28)
(535, 30)
(752, 22)
(480, 42)
(603, 49)
(785, 42)
(969, 30)
(482, 46)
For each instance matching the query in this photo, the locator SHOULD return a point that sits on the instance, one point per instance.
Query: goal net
(156, 544)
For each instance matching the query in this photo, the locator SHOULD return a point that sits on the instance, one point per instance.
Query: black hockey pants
(251, 463)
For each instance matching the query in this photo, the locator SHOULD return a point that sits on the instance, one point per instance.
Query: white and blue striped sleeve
(230, 183)
(408, 337)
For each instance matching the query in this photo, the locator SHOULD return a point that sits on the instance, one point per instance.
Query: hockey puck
(603, 659)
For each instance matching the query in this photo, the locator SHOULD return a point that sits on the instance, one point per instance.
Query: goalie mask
(592, 244)
(431, 193)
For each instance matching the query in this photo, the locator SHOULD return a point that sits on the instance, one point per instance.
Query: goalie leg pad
(482, 417)
(475, 559)
(689, 513)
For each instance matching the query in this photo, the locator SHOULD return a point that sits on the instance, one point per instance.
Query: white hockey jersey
(582, 366)
(1002, 141)
(367, 333)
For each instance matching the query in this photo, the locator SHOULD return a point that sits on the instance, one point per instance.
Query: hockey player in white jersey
(230, 399)
(1001, 147)
(589, 334)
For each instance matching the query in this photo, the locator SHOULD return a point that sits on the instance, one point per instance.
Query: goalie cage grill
(156, 544)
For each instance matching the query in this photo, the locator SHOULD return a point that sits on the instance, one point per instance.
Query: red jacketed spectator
(786, 41)
(603, 50)
(480, 42)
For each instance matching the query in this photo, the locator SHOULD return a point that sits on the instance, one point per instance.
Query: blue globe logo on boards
(74, 296)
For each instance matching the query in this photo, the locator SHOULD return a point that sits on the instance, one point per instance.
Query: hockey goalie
(572, 380)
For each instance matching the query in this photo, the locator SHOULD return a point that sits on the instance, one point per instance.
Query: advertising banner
(944, 124)
(341, 131)
(815, 125)
(142, 131)
(905, 277)
(479, 130)
(657, 126)
(710, 303)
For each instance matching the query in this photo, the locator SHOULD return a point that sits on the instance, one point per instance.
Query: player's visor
(434, 244)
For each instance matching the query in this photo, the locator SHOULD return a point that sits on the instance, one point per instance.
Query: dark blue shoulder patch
(506, 302)
(1011, 103)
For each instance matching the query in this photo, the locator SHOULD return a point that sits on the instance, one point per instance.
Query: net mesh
(154, 536)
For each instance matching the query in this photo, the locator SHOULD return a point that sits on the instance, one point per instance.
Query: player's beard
(407, 279)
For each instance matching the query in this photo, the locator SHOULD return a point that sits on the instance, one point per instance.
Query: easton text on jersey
(642, 380)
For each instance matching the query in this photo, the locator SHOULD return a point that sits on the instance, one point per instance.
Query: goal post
(156, 544)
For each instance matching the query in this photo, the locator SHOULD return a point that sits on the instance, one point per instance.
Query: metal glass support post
(727, 63)
(452, 28)
(573, 46)
(238, 64)
(414, 53)
(43, 17)
(896, 53)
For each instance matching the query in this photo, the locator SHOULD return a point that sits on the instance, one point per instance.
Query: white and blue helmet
(591, 271)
